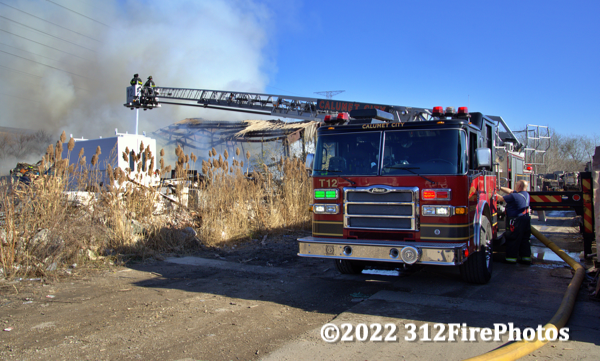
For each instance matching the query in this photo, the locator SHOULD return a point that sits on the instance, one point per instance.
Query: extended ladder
(268, 104)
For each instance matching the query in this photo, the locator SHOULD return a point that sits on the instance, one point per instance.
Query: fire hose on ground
(522, 348)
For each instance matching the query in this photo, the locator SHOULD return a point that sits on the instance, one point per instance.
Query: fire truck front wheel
(478, 267)
(349, 267)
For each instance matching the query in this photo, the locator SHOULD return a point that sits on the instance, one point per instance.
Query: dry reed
(44, 228)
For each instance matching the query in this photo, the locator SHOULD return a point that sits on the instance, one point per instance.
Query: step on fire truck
(391, 184)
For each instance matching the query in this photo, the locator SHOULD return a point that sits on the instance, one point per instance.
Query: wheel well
(487, 213)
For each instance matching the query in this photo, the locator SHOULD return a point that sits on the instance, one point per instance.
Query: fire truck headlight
(331, 209)
(438, 211)
(442, 211)
(428, 211)
(326, 209)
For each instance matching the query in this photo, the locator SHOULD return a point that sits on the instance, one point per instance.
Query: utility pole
(330, 93)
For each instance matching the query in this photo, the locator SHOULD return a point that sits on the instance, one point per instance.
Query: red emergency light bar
(339, 118)
(343, 116)
(449, 112)
(437, 111)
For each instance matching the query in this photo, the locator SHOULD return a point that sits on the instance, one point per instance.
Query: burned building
(264, 139)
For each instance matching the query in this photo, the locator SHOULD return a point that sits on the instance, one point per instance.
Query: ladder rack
(537, 143)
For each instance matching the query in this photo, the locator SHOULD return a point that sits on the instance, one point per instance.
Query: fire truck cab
(396, 193)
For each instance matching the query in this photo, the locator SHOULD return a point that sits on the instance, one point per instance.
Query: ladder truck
(392, 185)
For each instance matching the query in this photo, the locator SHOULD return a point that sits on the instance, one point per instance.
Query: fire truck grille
(381, 208)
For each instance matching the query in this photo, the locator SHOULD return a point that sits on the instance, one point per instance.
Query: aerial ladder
(285, 106)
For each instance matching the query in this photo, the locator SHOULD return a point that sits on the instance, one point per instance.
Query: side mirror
(310, 158)
(484, 158)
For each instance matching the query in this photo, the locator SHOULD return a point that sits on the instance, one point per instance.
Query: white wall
(112, 149)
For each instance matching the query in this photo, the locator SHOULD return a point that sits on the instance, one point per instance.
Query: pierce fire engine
(391, 184)
(418, 192)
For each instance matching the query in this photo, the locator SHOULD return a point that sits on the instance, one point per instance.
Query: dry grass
(47, 228)
(41, 229)
(235, 205)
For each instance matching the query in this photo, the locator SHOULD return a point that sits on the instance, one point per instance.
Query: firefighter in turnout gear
(518, 223)
(136, 80)
(149, 83)
(148, 90)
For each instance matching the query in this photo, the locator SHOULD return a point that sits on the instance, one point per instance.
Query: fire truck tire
(349, 267)
(478, 267)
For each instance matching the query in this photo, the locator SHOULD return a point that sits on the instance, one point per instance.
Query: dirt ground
(234, 303)
(160, 310)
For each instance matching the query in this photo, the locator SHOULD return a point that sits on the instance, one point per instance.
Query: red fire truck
(418, 192)
(392, 184)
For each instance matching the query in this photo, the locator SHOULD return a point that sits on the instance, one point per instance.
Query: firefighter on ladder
(136, 81)
(149, 90)
(518, 223)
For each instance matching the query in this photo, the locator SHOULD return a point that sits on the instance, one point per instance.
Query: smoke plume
(65, 64)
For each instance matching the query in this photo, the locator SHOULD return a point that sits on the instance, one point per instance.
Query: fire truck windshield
(391, 152)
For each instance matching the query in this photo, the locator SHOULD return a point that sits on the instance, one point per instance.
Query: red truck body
(423, 197)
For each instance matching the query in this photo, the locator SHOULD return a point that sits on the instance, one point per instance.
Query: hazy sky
(65, 64)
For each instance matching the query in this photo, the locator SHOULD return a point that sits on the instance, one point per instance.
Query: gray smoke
(77, 83)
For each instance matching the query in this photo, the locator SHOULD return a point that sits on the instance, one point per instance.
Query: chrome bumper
(446, 254)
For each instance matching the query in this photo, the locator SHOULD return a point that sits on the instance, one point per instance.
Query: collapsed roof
(204, 134)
